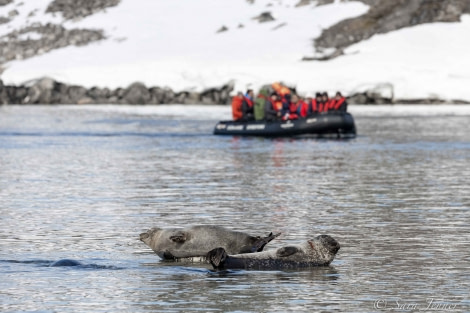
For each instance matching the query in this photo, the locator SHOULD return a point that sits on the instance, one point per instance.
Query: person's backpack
(259, 104)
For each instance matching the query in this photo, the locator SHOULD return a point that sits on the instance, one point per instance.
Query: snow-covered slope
(176, 44)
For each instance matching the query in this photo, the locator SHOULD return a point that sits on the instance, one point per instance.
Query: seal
(196, 241)
(319, 251)
(65, 262)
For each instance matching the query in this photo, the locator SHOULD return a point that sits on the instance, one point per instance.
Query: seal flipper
(286, 251)
(217, 257)
(179, 236)
(259, 243)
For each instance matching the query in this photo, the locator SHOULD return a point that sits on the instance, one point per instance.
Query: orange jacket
(237, 112)
(280, 89)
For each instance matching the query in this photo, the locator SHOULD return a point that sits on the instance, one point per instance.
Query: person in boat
(291, 107)
(315, 106)
(340, 104)
(325, 103)
(237, 102)
(242, 107)
(273, 108)
(247, 106)
(303, 107)
(282, 91)
(259, 104)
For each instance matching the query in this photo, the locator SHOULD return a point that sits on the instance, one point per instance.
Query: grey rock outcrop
(136, 93)
(385, 16)
(77, 9)
(264, 17)
(48, 91)
(5, 2)
(14, 46)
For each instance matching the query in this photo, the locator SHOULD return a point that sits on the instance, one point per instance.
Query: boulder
(40, 91)
(373, 94)
(264, 17)
(3, 94)
(137, 93)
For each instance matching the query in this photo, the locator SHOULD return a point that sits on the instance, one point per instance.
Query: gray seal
(319, 251)
(196, 241)
(65, 262)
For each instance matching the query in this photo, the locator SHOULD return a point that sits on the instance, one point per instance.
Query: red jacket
(303, 108)
(237, 112)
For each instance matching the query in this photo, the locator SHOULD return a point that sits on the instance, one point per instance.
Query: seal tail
(217, 257)
(261, 242)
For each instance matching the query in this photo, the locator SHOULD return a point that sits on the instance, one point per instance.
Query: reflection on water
(82, 182)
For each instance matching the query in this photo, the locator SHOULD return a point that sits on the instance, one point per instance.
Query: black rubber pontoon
(340, 124)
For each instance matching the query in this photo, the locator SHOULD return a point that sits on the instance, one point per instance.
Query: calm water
(83, 182)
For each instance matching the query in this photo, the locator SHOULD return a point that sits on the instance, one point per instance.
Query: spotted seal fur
(319, 251)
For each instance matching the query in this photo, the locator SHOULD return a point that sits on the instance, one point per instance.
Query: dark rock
(53, 37)
(5, 2)
(40, 91)
(325, 57)
(168, 95)
(264, 17)
(324, 2)
(180, 97)
(77, 9)
(385, 16)
(222, 29)
(302, 3)
(279, 26)
(98, 95)
(192, 98)
(59, 94)
(75, 93)
(4, 20)
(157, 95)
(136, 93)
(13, 13)
(378, 94)
(3, 94)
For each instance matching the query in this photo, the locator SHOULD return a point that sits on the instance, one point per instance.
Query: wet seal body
(65, 262)
(193, 243)
(319, 251)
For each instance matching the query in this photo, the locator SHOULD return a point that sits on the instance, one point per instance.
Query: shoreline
(48, 91)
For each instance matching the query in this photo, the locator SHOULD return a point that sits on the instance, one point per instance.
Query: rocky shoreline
(48, 91)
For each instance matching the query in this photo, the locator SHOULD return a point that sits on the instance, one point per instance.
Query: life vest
(293, 107)
(338, 103)
(331, 104)
(281, 90)
(303, 108)
(237, 108)
(315, 107)
(277, 105)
